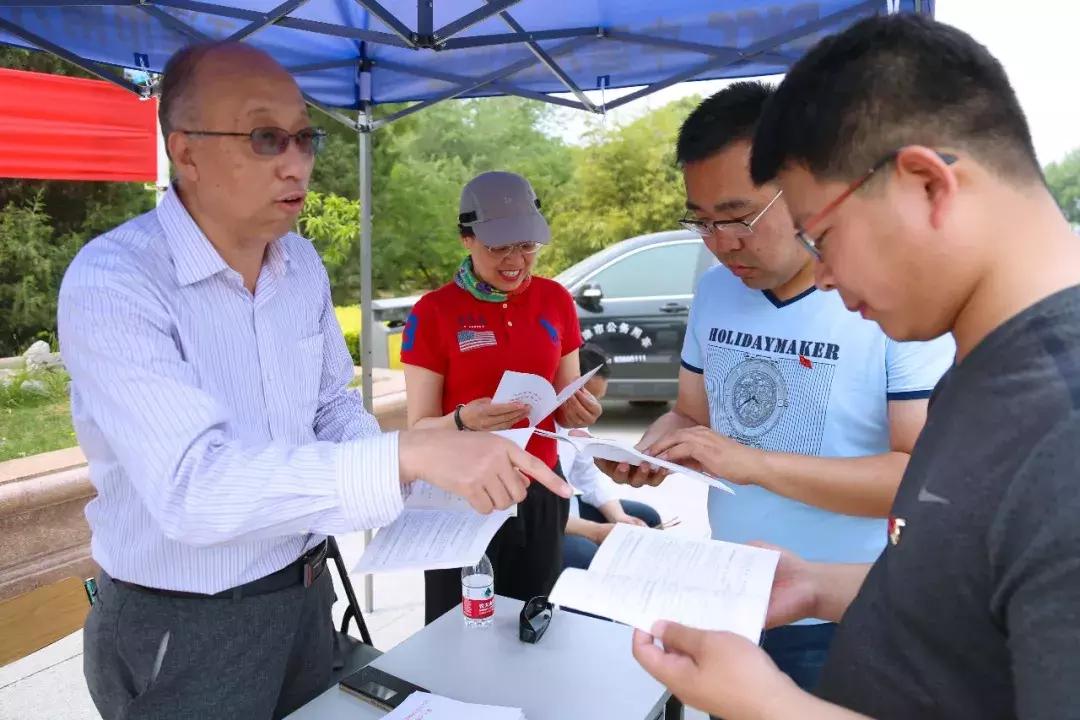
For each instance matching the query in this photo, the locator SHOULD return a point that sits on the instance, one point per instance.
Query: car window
(656, 271)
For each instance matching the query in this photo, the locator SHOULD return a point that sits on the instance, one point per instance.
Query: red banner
(61, 128)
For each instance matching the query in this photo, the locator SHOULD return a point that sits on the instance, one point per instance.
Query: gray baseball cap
(501, 209)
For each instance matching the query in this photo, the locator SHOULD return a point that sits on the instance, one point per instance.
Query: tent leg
(367, 352)
(162, 181)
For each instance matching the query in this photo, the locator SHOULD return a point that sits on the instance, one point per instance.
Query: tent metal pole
(501, 86)
(548, 61)
(268, 19)
(755, 50)
(162, 183)
(367, 315)
(465, 22)
(514, 38)
(479, 82)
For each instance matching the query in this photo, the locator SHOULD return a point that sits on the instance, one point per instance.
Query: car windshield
(575, 273)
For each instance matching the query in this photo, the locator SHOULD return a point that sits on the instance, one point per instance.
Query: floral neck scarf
(466, 279)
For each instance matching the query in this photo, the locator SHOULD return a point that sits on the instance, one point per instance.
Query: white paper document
(425, 706)
(639, 576)
(431, 540)
(536, 392)
(436, 530)
(618, 452)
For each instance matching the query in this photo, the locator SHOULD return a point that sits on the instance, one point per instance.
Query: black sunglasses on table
(534, 619)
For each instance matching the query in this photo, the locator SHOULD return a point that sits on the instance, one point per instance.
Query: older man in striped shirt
(210, 395)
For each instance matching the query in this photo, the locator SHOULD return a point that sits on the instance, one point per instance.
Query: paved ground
(49, 684)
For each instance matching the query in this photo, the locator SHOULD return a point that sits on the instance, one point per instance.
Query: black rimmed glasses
(802, 234)
(731, 229)
(534, 619)
(273, 140)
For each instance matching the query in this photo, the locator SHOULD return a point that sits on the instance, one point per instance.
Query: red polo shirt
(471, 343)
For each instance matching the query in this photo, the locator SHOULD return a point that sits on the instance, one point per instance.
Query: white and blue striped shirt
(220, 432)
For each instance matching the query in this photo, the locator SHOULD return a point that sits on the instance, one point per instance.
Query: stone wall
(42, 498)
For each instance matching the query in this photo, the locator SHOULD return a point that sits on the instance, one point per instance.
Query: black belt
(305, 570)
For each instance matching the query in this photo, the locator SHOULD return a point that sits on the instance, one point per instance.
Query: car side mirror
(590, 297)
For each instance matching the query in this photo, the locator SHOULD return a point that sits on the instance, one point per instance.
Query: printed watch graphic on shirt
(769, 393)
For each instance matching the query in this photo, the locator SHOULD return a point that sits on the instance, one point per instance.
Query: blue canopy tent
(359, 53)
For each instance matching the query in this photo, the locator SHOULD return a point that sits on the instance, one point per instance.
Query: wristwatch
(457, 418)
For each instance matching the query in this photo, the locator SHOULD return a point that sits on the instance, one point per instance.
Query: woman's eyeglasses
(273, 140)
(526, 248)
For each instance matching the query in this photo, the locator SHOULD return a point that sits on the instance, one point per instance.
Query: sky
(1033, 40)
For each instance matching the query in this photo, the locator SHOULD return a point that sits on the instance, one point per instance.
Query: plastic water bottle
(478, 593)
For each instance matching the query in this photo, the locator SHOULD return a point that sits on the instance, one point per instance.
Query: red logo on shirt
(896, 528)
(806, 362)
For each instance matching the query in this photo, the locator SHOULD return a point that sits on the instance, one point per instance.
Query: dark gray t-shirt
(974, 611)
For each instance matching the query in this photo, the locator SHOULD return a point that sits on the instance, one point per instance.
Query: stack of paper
(639, 576)
(425, 706)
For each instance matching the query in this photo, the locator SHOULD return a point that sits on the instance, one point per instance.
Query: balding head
(197, 73)
(215, 99)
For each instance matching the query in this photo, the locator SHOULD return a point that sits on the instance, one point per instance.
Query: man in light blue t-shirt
(803, 403)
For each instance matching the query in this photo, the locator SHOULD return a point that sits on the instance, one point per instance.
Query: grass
(35, 422)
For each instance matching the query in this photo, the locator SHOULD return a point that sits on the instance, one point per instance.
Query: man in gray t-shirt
(974, 609)
(924, 204)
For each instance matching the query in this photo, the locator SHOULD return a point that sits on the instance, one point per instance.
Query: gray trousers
(257, 657)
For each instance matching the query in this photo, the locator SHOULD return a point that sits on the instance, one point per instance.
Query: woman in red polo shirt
(460, 339)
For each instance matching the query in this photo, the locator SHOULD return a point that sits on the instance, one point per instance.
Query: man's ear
(935, 176)
(181, 156)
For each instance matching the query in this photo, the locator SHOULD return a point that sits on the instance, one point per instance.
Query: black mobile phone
(379, 688)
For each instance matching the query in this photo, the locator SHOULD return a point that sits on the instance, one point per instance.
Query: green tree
(1063, 178)
(330, 221)
(420, 164)
(622, 183)
(51, 220)
(336, 168)
(625, 183)
(31, 264)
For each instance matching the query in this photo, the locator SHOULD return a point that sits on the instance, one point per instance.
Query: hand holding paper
(688, 662)
(640, 576)
(615, 451)
(437, 529)
(484, 415)
(714, 453)
(536, 392)
(488, 471)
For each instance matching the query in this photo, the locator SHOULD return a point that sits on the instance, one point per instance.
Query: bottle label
(478, 602)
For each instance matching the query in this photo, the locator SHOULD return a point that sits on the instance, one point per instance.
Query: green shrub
(352, 341)
(29, 388)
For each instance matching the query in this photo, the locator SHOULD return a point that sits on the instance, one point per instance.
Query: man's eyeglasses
(525, 248)
(732, 229)
(273, 140)
(534, 619)
(812, 244)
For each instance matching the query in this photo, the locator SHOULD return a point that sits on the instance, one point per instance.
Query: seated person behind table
(599, 506)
